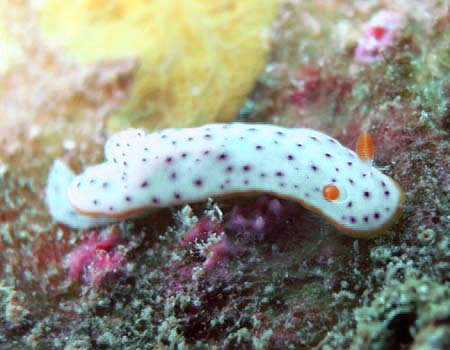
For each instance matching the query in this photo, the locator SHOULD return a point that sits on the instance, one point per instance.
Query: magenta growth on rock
(379, 35)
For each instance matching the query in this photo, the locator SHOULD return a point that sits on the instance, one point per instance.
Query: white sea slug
(175, 166)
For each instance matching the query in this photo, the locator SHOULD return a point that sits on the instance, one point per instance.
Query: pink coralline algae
(312, 83)
(379, 35)
(95, 258)
(200, 232)
(207, 237)
(265, 216)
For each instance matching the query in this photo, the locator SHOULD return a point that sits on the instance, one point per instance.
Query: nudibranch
(170, 167)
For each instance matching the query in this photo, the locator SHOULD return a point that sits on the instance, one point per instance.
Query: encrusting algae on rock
(198, 59)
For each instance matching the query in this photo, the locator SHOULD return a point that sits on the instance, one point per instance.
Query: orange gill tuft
(364, 147)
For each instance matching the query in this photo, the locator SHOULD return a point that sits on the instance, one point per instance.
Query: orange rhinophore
(330, 192)
(364, 147)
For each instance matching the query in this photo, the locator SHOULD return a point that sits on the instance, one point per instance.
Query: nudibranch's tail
(59, 180)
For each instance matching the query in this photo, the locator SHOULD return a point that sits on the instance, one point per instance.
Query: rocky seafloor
(241, 273)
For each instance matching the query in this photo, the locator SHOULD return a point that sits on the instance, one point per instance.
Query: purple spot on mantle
(144, 184)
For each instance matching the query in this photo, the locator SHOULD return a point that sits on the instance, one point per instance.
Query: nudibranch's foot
(59, 179)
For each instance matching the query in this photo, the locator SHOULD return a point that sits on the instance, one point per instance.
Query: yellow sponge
(198, 58)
